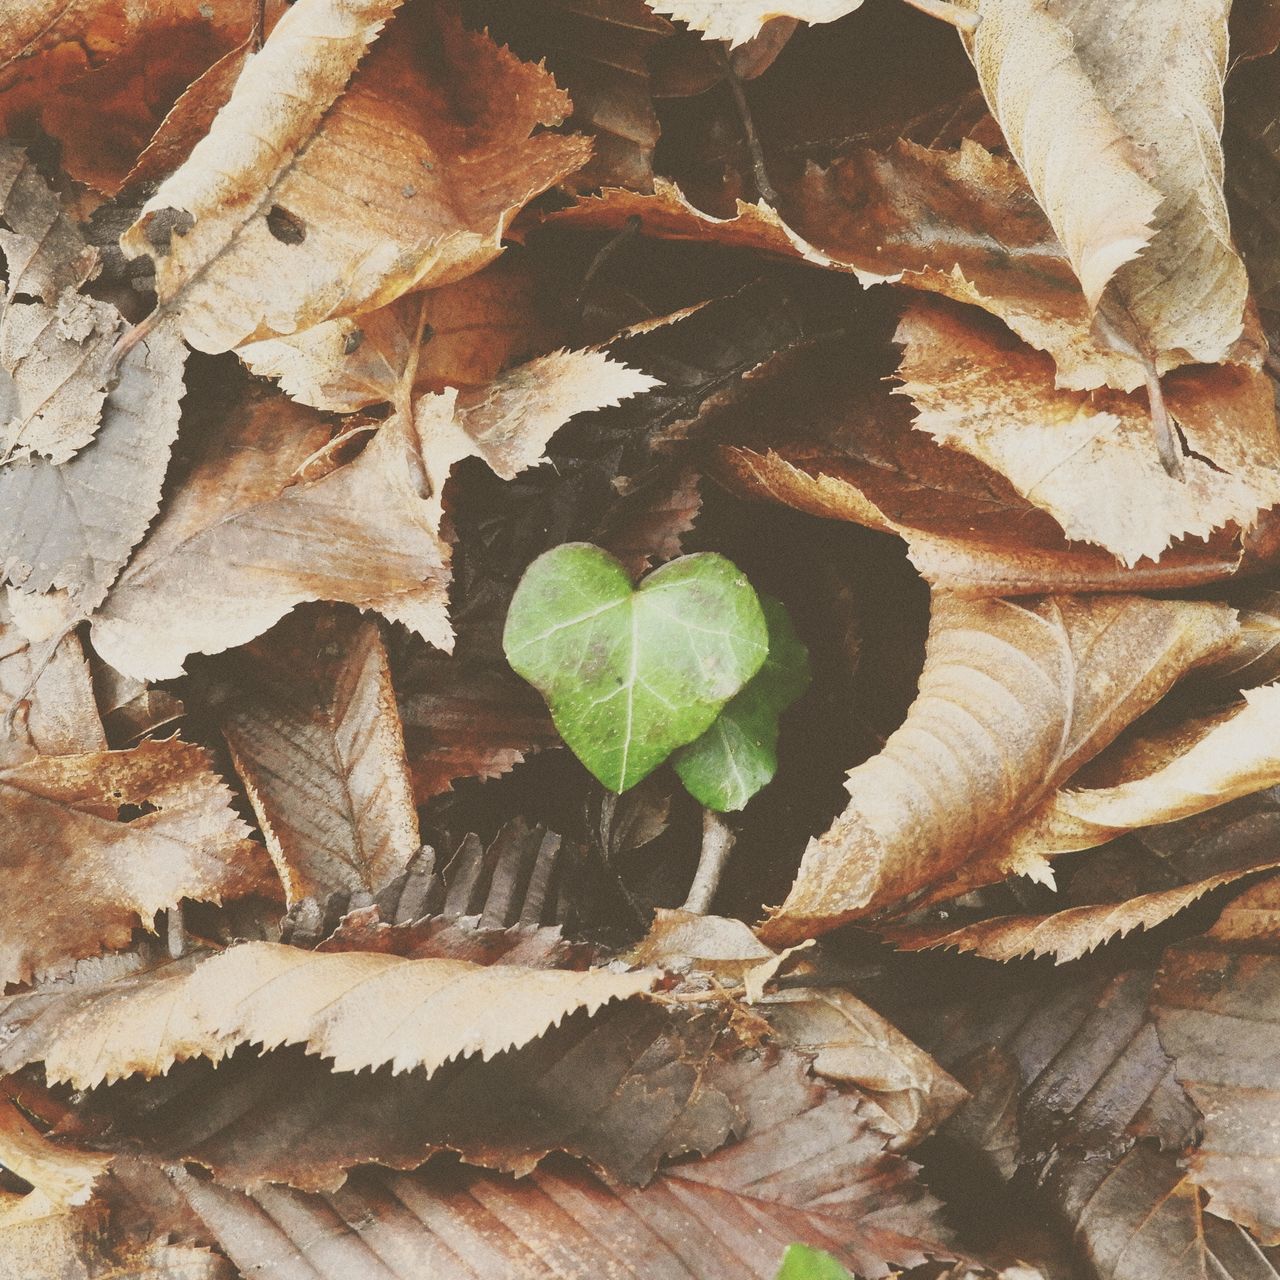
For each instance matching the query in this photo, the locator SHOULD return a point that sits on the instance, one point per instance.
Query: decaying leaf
(1216, 1008)
(830, 1181)
(283, 231)
(246, 536)
(1014, 696)
(1148, 234)
(361, 1010)
(315, 735)
(61, 1174)
(1081, 457)
(97, 843)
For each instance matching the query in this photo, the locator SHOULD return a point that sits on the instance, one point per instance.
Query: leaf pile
(850, 430)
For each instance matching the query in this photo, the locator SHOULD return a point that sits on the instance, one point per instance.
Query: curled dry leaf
(61, 1174)
(313, 730)
(1135, 882)
(277, 217)
(474, 328)
(1142, 86)
(738, 21)
(1215, 1003)
(1161, 778)
(73, 524)
(1082, 457)
(808, 1167)
(246, 536)
(360, 1009)
(98, 843)
(1014, 697)
(509, 423)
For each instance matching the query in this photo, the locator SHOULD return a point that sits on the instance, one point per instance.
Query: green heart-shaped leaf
(803, 1263)
(738, 755)
(632, 673)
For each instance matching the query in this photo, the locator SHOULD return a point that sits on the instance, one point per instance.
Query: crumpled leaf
(625, 670)
(1014, 696)
(245, 537)
(361, 1010)
(62, 1174)
(58, 360)
(73, 525)
(97, 843)
(312, 727)
(1083, 457)
(1215, 1004)
(475, 328)
(832, 1184)
(508, 423)
(1142, 89)
(1135, 882)
(266, 254)
(43, 248)
(738, 21)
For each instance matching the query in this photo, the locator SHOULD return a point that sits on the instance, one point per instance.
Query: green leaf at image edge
(738, 755)
(632, 673)
(803, 1263)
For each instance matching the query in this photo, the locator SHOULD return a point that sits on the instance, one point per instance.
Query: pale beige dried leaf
(43, 248)
(853, 1045)
(59, 715)
(1218, 761)
(73, 525)
(1090, 460)
(316, 739)
(311, 203)
(243, 540)
(96, 844)
(685, 942)
(475, 328)
(509, 423)
(738, 21)
(1254, 657)
(59, 361)
(1036, 86)
(1014, 697)
(1142, 88)
(361, 1009)
(61, 1173)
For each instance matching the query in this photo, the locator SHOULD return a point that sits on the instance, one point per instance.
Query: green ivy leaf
(632, 673)
(738, 755)
(803, 1263)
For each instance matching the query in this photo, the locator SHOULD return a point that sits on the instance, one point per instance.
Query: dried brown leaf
(1083, 457)
(1215, 1004)
(244, 538)
(314, 733)
(361, 1010)
(98, 843)
(808, 1168)
(285, 232)
(1014, 696)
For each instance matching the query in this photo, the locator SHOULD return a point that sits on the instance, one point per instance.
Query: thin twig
(626, 233)
(130, 339)
(259, 33)
(176, 932)
(1167, 445)
(749, 135)
(717, 841)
